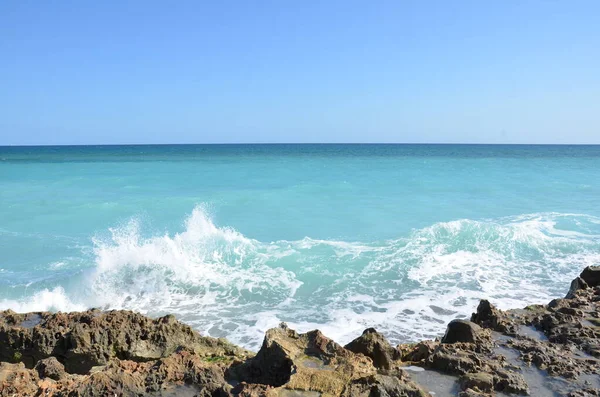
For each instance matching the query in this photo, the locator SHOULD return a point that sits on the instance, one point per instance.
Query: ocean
(234, 239)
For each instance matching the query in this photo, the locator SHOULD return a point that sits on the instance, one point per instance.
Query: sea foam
(226, 284)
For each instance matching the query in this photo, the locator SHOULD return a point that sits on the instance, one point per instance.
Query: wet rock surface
(542, 350)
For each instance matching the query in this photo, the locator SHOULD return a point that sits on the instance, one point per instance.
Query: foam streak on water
(227, 284)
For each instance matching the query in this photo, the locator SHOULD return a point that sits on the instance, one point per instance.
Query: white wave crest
(44, 300)
(226, 284)
(202, 266)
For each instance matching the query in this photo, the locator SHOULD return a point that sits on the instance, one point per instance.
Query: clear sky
(92, 72)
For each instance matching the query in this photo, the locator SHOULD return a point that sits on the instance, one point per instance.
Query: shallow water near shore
(234, 239)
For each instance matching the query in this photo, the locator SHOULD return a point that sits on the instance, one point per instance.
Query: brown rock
(96, 353)
(478, 381)
(461, 331)
(488, 316)
(510, 382)
(16, 380)
(417, 353)
(251, 390)
(92, 338)
(467, 359)
(50, 368)
(302, 364)
(374, 345)
(307, 361)
(473, 393)
(384, 385)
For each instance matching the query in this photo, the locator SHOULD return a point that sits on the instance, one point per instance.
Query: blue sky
(92, 72)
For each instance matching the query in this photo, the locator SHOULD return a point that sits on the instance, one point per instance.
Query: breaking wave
(226, 284)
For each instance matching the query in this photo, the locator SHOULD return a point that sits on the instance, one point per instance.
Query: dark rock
(374, 345)
(576, 285)
(273, 365)
(588, 392)
(488, 316)
(461, 331)
(571, 311)
(591, 276)
(50, 368)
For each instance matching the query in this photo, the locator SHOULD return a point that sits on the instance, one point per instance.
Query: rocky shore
(540, 350)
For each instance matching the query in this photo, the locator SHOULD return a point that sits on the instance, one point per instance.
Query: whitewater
(234, 240)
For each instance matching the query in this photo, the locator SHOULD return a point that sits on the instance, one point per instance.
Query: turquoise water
(236, 238)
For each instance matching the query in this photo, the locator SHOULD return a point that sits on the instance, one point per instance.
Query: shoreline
(540, 350)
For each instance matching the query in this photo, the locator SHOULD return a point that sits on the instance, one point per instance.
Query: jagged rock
(417, 353)
(251, 390)
(585, 393)
(374, 345)
(16, 380)
(273, 365)
(591, 276)
(185, 366)
(88, 339)
(481, 382)
(556, 359)
(461, 331)
(96, 353)
(571, 322)
(471, 358)
(297, 360)
(473, 393)
(120, 377)
(385, 386)
(576, 285)
(50, 368)
(300, 363)
(488, 316)
(510, 381)
(454, 360)
(571, 334)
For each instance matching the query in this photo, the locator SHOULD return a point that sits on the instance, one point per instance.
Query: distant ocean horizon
(235, 238)
(296, 143)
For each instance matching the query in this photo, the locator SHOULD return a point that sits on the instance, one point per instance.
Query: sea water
(234, 239)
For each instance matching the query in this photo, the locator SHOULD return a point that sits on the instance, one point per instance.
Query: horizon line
(297, 143)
